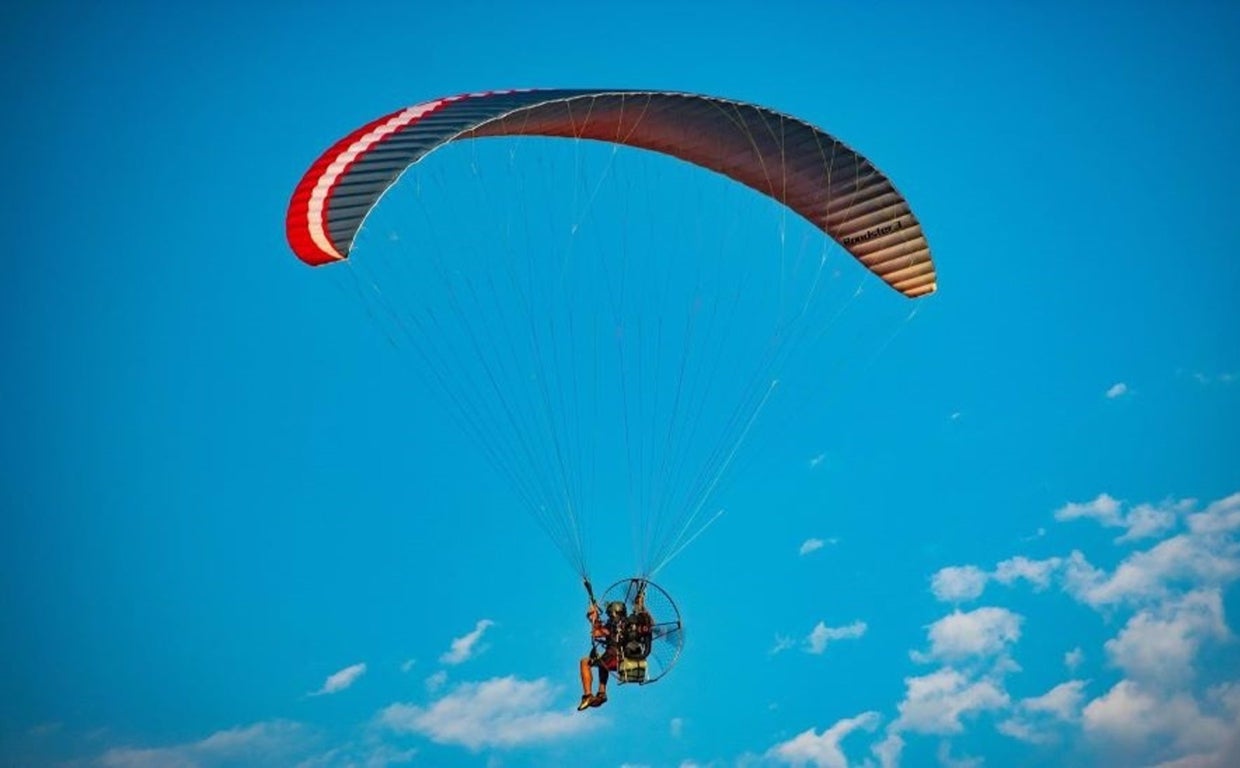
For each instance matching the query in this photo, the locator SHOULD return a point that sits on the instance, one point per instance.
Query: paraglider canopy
(808, 170)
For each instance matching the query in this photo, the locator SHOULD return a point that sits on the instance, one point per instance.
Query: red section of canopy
(297, 221)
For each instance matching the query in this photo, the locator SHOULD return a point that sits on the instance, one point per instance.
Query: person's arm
(597, 628)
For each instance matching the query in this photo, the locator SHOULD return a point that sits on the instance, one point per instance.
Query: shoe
(586, 701)
(598, 700)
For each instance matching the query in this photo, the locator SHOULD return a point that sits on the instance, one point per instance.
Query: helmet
(616, 610)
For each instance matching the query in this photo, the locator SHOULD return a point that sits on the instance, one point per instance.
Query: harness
(631, 640)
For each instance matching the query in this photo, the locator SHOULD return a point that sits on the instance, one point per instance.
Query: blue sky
(222, 495)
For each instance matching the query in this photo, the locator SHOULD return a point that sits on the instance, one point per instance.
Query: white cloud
(822, 750)
(956, 584)
(1158, 646)
(1080, 577)
(822, 634)
(1186, 559)
(811, 545)
(962, 583)
(1222, 516)
(436, 681)
(1073, 658)
(1063, 702)
(1172, 594)
(1021, 730)
(498, 713)
(366, 754)
(1036, 719)
(935, 703)
(1104, 509)
(676, 727)
(274, 743)
(1117, 390)
(462, 648)
(407, 665)
(948, 760)
(888, 750)
(814, 462)
(1140, 522)
(1136, 720)
(1154, 716)
(338, 681)
(984, 632)
(1036, 572)
(1222, 378)
(1149, 520)
(783, 643)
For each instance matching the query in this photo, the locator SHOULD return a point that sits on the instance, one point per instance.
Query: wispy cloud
(818, 638)
(814, 462)
(1117, 390)
(1221, 517)
(783, 643)
(948, 760)
(1218, 378)
(274, 743)
(1037, 719)
(465, 647)
(407, 665)
(365, 753)
(338, 681)
(889, 749)
(813, 545)
(1037, 573)
(1140, 522)
(1073, 658)
(499, 713)
(1104, 509)
(1063, 702)
(822, 634)
(436, 681)
(676, 727)
(823, 749)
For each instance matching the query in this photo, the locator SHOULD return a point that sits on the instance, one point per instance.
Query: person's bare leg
(587, 678)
